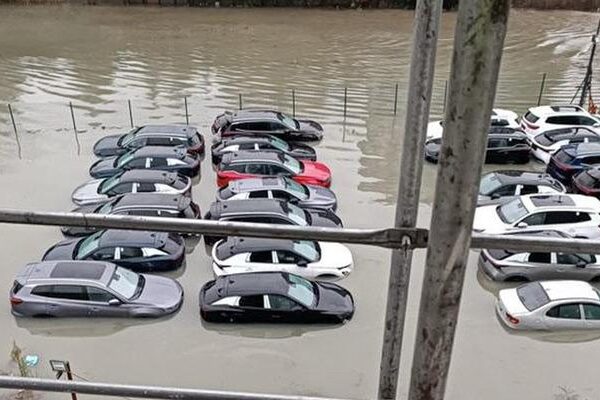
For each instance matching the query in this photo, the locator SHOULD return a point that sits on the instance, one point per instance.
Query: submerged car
(91, 289)
(311, 260)
(574, 214)
(505, 265)
(135, 250)
(501, 186)
(249, 164)
(141, 204)
(136, 181)
(257, 143)
(499, 117)
(274, 297)
(550, 305)
(545, 144)
(541, 118)
(505, 145)
(279, 188)
(574, 158)
(151, 135)
(250, 122)
(171, 159)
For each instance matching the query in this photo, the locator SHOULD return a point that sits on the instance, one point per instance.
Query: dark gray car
(502, 186)
(279, 188)
(91, 289)
(505, 265)
(261, 143)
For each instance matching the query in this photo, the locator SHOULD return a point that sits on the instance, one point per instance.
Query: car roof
(580, 149)
(160, 200)
(254, 283)
(251, 184)
(148, 176)
(562, 290)
(255, 115)
(66, 270)
(572, 130)
(508, 177)
(113, 237)
(172, 130)
(246, 156)
(236, 245)
(505, 130)
(247, 206)
(557, 109)
(247, 139)
(577, 201)
(161, 151)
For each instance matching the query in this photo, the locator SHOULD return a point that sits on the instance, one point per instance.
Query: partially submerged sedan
(142, 204)
(311, 260)
(135, 250)
(91, 289)
(136, 181)
(258, 142)
(171, 159)
(550, 305)
(274, 297)
(151, 135)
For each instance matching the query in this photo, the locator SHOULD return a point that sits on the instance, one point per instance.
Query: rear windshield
(16, 287)
(512, 211)
(489, 184)
(563, 156)
(532, 295)
(499, 254)
(180, 183)
(226, 193)
(530, 117)
(589, 181)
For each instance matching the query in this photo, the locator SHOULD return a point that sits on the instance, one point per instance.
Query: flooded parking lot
(99, 58)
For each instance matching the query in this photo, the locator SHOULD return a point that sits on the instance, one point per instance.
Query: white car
(545, 144)
(543, 118)
(499, 117)
(550, 305)
(311, 260)
(574, 214)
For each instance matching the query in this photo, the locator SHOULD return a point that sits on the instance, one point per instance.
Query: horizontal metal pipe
(534, 244)
(390, 238)
(137, 391)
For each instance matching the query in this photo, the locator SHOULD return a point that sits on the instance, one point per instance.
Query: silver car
(91, 289)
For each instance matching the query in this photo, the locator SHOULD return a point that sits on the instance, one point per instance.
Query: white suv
(499, 117)
(542, 118)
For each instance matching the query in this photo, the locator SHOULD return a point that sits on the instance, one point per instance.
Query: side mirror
(114, 302)
(496, 196)
(596, 125)
(302, 263)
(581, 264)
(522, 225)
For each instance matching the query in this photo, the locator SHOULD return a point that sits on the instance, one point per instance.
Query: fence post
(12, 118)
(240, 99)
(187, 118)
(478, 41)
(130, 113)
(293, 103)
(396, 99)
(75, 129)
(541, 89)
(345, 101)
(445, 95)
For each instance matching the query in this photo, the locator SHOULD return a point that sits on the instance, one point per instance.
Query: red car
(256, 164)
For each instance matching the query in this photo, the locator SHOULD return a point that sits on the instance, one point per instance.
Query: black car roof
(255, 115)
(220, 209)
(92, 271)
(247, 139)
(114, 237)
(161, 151)
(236, 245)
(162, 200)
(172, 130)
(516, 177)
(254, 283)
(247, 156)
(504, 130)
(148, 176)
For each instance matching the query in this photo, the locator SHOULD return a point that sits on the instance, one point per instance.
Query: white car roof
(562, 290)
(557, 109)
(502, 113)
(580, 201)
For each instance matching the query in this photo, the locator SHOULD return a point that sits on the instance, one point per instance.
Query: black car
(572, 159)
(141, 204)
(505, 145)
(268, 211)
(151, 135)
(171, 159)
(135, 250)
(274, 297)
(502, 186)
(261, 142)
(251, 122)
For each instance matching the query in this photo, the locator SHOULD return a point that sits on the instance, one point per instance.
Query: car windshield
(128, 137)
(124, 282)
(307, 249)
(288, 121)
(489, 184)
(105, 209)
(109, 183)
(299, 190)
(88, 245)
(296, 214)
(301, 290)
(512, 211)
(532, 295)
(124, 159)
(292, 164)
(279, 144)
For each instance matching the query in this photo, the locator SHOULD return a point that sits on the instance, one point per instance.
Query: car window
(259, 194)
(539, 258)
(277, 302)
(67, 292)
(277, 170)
(244, 146)
(507, 190)
(145, 187)
(130, 252)
(591, 160)
(257, 169)
(529, 189)
(276, 126)
(583, 120)
(535, 219)
(157, 162)
(121, 188)
(565, 311)
(261, 257)
(159, 141)
(529, 116)
(494, 143)
(566, 217)
(256, 301)
(99, 295)
(564, 120)
(574, 259)
(591, 311)
(286, 257)
(107, 253)
(282, 195)
(139, 162)
(241, 168)
(144, 213)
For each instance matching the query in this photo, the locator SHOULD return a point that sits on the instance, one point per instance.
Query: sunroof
(75, 270)
(553, 200)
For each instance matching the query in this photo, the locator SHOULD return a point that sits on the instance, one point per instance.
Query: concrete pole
(478, 42)
(425, 35)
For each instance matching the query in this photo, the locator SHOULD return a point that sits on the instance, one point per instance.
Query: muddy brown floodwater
(98, 58)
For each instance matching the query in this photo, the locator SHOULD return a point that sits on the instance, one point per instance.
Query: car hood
(311, 127)
(334, 298)
(316, 170)
(161, 292)
(104, 168)
(61, 251)
(487, 220)
(511, 302)
(88, 193)
(325, 219)
(335, 255)
(320, 196)
(108, 146)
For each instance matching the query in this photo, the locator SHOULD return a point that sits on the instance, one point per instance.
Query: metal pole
(425, 34)
(130, 113)
(345, 101)
(12, 118)
(293, 103)
(396, 100)
(240, 98)
(137, 391)
(445, 94)
(187, 117)
(75, 129)
(541, 89)
(588, 74)
(70, 378)
(478, 41)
